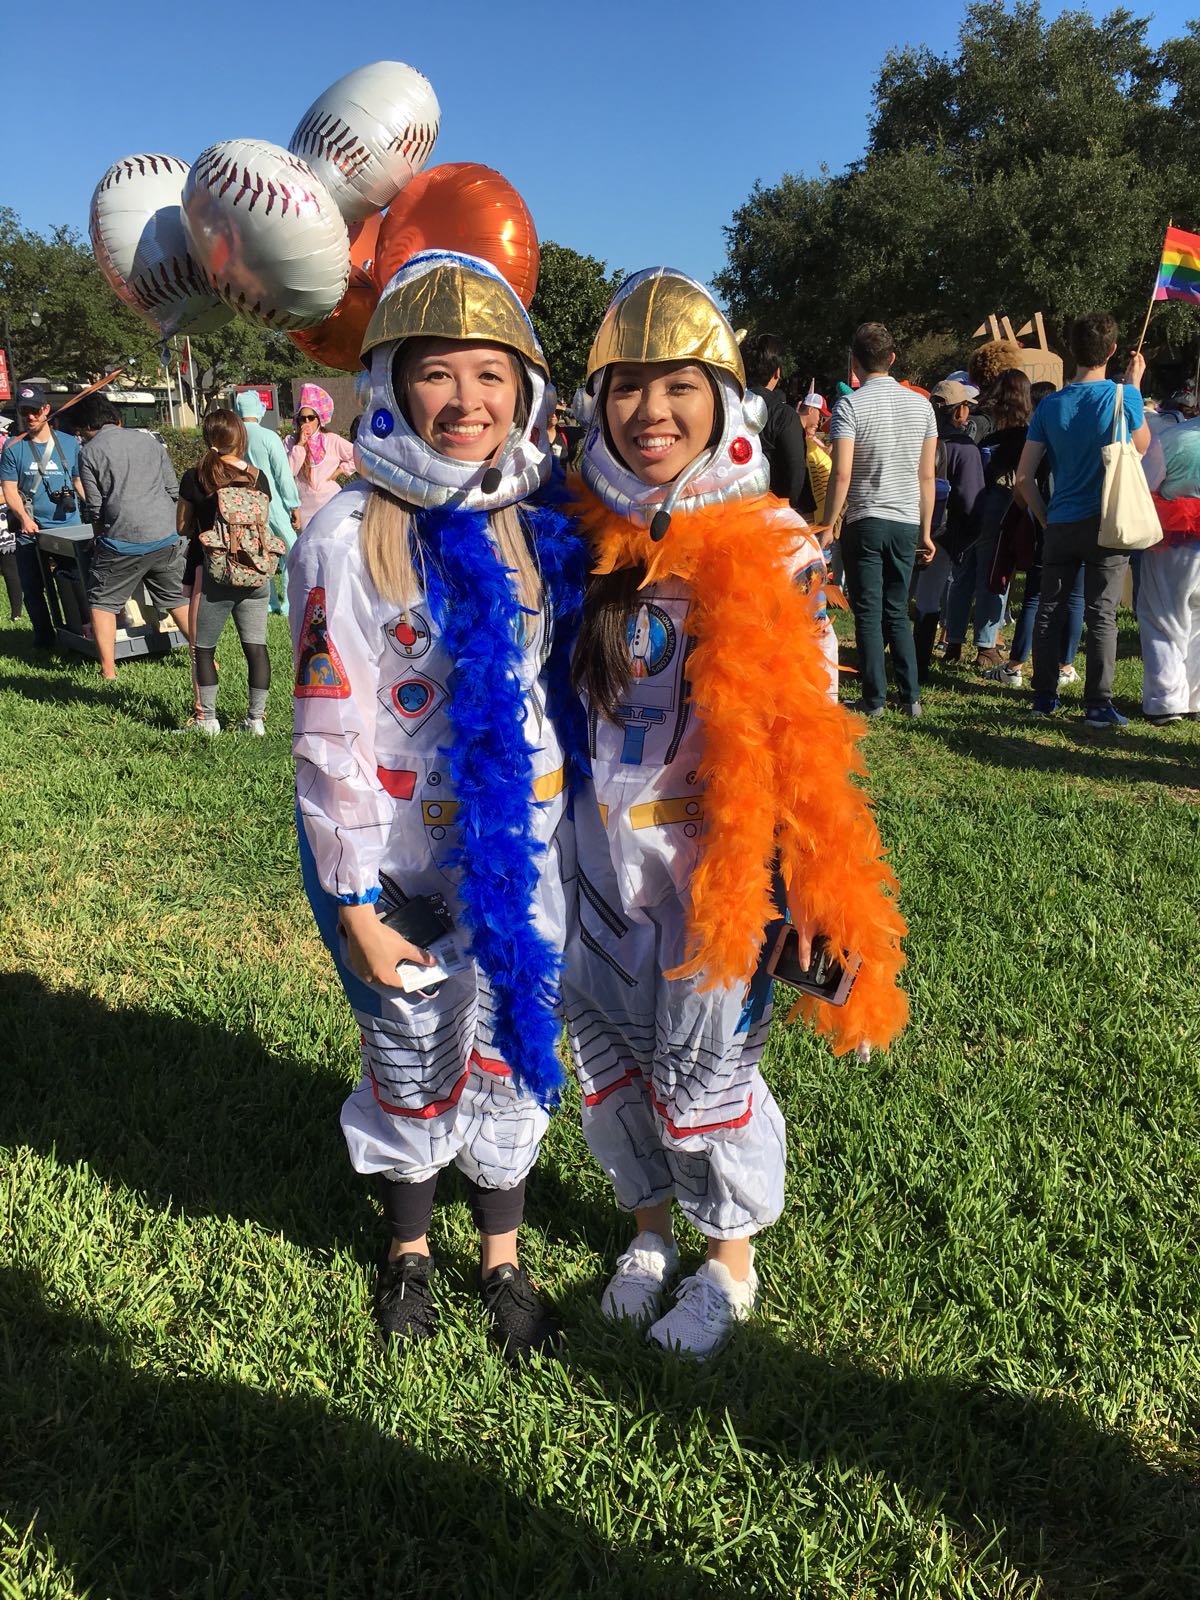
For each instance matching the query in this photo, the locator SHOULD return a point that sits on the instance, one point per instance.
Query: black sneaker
(520, 1323)
(404, 1306)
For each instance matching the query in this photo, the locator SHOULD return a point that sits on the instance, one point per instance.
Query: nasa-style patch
(408, 634)
(320, 674)
(412, 700)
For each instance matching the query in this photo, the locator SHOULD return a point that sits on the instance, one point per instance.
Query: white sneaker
(255, 726)
(635, 1290)
(206, 725)
(1067, 675)
(707, 1306)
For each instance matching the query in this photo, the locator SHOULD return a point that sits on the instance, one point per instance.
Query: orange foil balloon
(336, 342)
(363, 238)
(461, 206)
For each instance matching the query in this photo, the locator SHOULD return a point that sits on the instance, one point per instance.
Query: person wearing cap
(8, 544)
(265, 450)
(961, 542)
(433, 609)
(720, 796)
(317, 457)
(812, 410)
(39, 474)
(884, 441)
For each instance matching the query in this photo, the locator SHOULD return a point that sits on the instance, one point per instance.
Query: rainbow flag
(1179, 271)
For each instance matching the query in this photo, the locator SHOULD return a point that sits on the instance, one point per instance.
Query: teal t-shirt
(59, 468)
(1074, 425)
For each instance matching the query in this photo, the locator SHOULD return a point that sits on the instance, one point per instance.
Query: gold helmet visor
(661, 315)
(440, 296)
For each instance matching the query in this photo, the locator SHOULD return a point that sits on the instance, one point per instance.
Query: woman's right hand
(373, 950)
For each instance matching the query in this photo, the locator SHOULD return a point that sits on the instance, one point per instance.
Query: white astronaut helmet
(661, 314)
(444, 294)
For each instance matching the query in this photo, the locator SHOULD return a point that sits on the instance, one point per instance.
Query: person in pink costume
(317, 457)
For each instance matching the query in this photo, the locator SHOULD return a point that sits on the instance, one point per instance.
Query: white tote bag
(1128, 520)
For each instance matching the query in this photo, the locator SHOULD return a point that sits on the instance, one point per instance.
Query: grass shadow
(193, 1116)
(194, 1487)
(207, 1121)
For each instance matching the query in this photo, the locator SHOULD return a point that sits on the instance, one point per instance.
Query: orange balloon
(461, 206)
(363, 238)
(337, 341)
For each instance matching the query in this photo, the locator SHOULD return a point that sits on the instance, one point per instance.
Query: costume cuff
(366, 899)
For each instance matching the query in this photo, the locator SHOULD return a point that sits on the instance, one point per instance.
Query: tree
(1034, 170)
(573, 292)
(82, 329)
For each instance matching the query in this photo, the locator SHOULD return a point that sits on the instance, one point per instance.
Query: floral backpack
(240, 548)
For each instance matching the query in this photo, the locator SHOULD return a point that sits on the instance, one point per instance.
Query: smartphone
(825, 977)
(426, 922)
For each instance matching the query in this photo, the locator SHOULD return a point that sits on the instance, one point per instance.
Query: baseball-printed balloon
(264, 229)
(368, 134)
(140, 246)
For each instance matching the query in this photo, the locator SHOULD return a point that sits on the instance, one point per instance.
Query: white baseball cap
(816, 401)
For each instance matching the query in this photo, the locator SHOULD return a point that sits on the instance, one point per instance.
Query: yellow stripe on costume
(548, 785)
(437, 813)
(657, 813)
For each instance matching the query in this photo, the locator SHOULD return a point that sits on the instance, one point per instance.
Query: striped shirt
(888, 424)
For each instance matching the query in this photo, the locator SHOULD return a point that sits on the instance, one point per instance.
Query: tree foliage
(572, 295)
(84, 331)
(1034, 170)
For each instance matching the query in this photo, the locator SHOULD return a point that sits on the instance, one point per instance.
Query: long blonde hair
(387, 547)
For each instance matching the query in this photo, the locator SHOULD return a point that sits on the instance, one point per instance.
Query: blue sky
(633, 131)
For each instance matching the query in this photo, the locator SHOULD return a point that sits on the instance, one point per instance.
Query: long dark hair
(1011, 400)
(601, 667)
(225, 435)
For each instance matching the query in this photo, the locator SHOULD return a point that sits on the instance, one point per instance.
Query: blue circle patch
(382, 423)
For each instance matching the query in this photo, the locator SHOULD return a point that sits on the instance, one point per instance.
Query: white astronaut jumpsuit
(375, 803)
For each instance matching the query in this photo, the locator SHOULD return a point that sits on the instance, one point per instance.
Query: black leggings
(408, 1207)
(258, 665)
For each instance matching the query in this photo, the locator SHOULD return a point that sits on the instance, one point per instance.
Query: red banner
(5, 385)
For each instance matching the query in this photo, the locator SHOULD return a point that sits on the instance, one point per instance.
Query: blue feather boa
(491, 768)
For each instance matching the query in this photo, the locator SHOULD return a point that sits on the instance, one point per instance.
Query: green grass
(975, 1369)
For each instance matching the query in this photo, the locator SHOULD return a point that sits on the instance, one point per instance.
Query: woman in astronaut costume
(432, 609)
(720, 796)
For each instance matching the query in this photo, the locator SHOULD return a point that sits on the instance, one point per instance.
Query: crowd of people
(572, 749)
(934, 505)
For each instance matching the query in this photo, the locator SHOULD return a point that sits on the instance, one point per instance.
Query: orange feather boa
(779, 755)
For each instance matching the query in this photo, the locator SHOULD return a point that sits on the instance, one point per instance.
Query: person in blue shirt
(1071, 427)
(40, 478)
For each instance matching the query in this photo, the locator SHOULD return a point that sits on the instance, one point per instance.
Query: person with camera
(39, 473)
